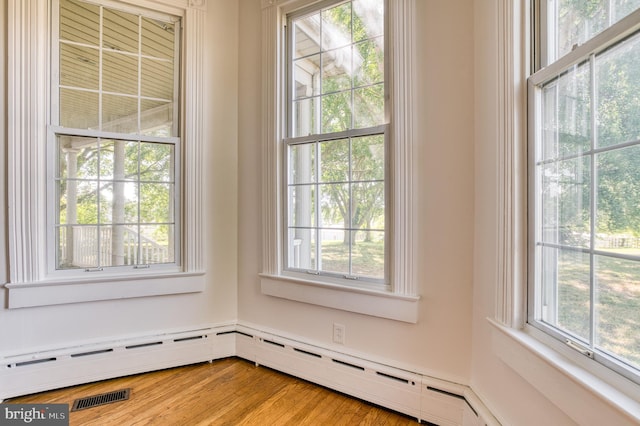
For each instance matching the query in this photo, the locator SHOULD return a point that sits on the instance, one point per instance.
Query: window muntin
(115, 138)
(584, 190)
(336, 149)
(570, 23)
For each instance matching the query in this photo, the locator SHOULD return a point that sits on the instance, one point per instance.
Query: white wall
(22, 330)
(441, 340)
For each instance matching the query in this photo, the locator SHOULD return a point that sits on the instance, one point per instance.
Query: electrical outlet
(338, 333)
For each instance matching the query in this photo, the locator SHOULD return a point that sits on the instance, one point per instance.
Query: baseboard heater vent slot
(103, 351)
(346, 364)
(399, 379)
(36, 361)
(184, 339)
(271, 342)
(307, 353)
(143, 345)
(102, 399)
(444, 392)
(240, 333)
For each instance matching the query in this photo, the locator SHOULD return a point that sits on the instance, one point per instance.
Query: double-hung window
(114, 139)
(104, 108)
(336, 139)
(584, 179)
(339, 122)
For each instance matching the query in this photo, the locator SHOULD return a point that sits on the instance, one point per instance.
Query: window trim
(29, 48)
(401, 83)
(562, 372)
(585, 52)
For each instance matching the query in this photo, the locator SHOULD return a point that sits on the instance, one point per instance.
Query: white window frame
(29, 97)
(558, 372)
(381, 129)
(400, 302)
(584, 52)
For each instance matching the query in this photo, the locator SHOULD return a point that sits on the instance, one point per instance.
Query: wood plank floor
(230, 391)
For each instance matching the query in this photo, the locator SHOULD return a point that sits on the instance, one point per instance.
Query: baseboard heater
(23, 374)
(426, 398)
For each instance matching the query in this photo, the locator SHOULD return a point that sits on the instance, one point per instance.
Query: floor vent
(102, 399)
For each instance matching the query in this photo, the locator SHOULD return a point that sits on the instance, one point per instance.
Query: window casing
(397, 297)
(114, 145)
(583, 153)
(336, 143)
(32, 162)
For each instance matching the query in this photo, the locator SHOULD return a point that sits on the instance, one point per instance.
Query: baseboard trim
(424, 397)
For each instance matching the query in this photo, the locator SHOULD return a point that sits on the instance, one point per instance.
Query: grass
(367, 258)
(617, 304)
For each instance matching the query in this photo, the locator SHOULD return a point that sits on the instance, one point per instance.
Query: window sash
(316, 136)
(585, 342)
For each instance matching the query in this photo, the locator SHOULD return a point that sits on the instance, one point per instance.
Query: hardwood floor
(231, 391)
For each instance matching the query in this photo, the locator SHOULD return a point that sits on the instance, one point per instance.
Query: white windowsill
(45, 293)
(368, 302)
(583, 396)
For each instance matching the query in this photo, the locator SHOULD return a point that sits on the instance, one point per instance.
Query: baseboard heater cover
(51, 369)
(425, 398)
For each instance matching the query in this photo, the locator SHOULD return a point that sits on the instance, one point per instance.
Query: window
(336, 142)
(104, 108)
(115, 136)
(338, 171)
(584, 157)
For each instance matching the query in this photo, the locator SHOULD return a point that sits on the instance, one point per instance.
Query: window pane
(618, 85)
(156, 244)
(156, 200)
(302, 249)
(305, 77)
(156, 162)
(566, 114)
(368, 19)
(78, 157)
(336, 26)
(119, 73)
(566, 202)
(158, 38)
(119, 202)
(618, 209)
(79, 66)
(334, 205)
(565, 291)
(119, 114)
(79, 22)
(368, 253)
(306, 117)
(78, 109)
(77, 247)
(337, 70)
(368, 62)
(575, 22)
(618, 307)
(367, 158)
(367, 205)
(157, 79)
(302, 164)
(120, 31)
(333, 161)
(307, 36)
(368, 104)
(335, 251)
(156, 118)
(336, 112)
(302, 206)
